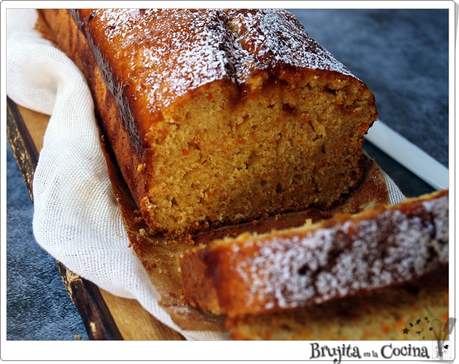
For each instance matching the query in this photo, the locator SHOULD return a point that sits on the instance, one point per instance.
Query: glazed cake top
(149, 58)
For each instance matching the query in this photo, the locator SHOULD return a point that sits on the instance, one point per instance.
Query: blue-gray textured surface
(38, 306)
(402, 55)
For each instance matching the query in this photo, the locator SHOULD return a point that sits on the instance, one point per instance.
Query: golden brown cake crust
(65, 33)
(338, 257)
(163, 55)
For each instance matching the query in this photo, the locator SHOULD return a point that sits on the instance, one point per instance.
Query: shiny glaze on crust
(163, 55)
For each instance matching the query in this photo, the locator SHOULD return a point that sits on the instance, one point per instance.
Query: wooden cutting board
(105, 316)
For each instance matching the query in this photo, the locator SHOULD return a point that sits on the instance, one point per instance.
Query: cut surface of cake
(334, 258)
(219, 116)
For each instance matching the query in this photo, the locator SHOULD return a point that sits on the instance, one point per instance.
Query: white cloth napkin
(77, 219)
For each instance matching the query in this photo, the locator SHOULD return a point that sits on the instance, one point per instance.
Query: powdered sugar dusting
(276, 36)
(177, 50)
(311, 268)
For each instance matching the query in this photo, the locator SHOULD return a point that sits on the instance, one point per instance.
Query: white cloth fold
(77, 219)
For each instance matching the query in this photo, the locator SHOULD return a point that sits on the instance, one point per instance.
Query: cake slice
(404, 312)
(334, 258)
(219, 116)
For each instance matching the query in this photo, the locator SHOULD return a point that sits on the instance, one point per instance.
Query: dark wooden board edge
(21, 144)
(86, 296)
(89, 302)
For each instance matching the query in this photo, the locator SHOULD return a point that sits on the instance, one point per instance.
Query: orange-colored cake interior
(224, 155)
